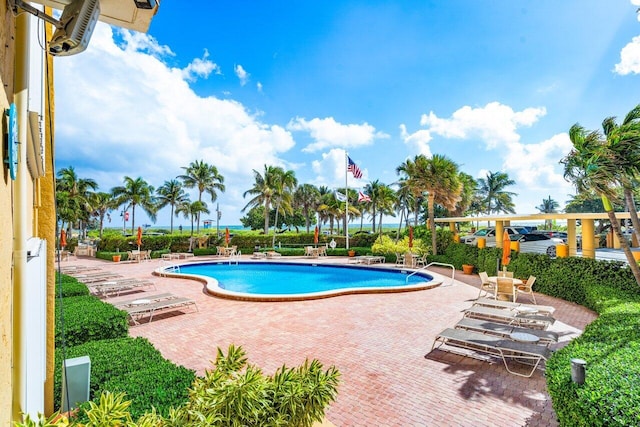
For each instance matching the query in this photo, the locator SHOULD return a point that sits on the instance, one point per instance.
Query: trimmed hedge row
(86, 318)
(67, 286)
(132, 365)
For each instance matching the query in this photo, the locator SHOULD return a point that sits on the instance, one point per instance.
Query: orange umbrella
(63, 239)
(139, 241)
(410, 236)
(226, 236)
(315, 236)
(506, 248)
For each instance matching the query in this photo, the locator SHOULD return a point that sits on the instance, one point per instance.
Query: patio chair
(504, 330)
(505, 288)
(509, 351)
(399, 260)
(511, 317)
(508, 274)
(485, 284)
(139, 311)
(527, 288)
(273, 254)
(115, 287)
(507, 305)
(144, 300)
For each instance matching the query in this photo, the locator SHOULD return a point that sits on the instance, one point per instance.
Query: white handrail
(453, 271)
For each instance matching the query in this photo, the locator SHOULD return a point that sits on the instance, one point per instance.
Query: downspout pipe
(20, 215)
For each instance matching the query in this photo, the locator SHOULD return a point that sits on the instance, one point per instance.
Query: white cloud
(259, 87)
(419, 139)
(630, 57)
(331, 169)
(200, 67)
(242, 74)
(494, 123)
(533, 166)
(121, 110)
(327, 133)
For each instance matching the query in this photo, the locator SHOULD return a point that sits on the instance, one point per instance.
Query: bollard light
(578, 370)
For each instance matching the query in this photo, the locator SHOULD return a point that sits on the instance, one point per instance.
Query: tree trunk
(432, 223)
(615, 225)
(267, 204)
(373, 218)
(631, 205)
(133, 217)
(400, 224)
(171, 219)
(275, 228)
(306, 218)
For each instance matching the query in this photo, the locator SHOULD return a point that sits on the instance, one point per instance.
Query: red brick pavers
(381, 343)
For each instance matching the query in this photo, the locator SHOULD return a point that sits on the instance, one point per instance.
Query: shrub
(67, 286)
(109, 359)
(86, 318)
(386, 246)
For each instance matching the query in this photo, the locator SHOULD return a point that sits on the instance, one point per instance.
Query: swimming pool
(270, 281)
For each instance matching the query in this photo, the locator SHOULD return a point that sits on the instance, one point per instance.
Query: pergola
(587, 220)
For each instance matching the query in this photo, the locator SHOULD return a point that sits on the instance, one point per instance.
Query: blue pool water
(284, 279)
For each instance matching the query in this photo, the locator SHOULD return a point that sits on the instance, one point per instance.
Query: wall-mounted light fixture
(145, 4)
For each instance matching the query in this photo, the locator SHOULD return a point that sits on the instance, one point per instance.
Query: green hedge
(86, 318)
(132, 365)
(70, 286)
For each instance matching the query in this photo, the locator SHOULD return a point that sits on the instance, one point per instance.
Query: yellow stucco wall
(6, 230)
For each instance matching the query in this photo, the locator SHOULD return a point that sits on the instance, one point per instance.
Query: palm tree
(101, 203)
(406, 170)
(591, 165)
(283, 195)
(404, 201)
(74, 193)
(386, 202)
(548, 206)
(136, 192)
(205, 178)
(373, 190)
(191, 210)
(439, 178)
(494, 197)
(269, 188)
(307, 198)
(623, 142)
(171, 193)
(324, 193)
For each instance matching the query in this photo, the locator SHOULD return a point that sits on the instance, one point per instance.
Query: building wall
(6, 230)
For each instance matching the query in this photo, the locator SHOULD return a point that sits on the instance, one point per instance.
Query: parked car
(538, 243)
(490, 235)
(551, 233)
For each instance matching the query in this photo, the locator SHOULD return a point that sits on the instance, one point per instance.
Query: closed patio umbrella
(315, 236)
(506, 248)
(139, 239)
(226, 236)
(63, 239)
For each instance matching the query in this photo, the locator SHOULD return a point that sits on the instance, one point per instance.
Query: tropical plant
(592, 166)
(437, 176)
(136, 192)
(205, 178)
(72, 198)
(307, 197)
(192, 210)
(272, 186)
(171, 193)
(493, 195)
(548, 206)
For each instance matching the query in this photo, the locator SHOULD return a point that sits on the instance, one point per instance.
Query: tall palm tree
(74, 193)
(373, 190)
(205, 178)
(404, 201)
(101, 203)
(270, 187)
(591, 165)
(282, 197)
(623, 143)
(136, 192)
(548, 206)
(171, 193)
(307, 198)
(191, 210)
(406, 170)
(324, 193)
(492, 191)
(386, 202)
(438, 176)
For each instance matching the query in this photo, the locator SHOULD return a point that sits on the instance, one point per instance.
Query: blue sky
(492, 85)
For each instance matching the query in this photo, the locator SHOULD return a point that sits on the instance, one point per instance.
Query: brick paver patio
(380, 343)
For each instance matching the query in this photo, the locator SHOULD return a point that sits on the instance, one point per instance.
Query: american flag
(353, 168)
(363, 197)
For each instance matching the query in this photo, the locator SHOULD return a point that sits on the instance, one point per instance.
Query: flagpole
(346, 190)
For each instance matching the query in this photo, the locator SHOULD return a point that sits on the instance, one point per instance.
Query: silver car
(490, 235)
(538, 243)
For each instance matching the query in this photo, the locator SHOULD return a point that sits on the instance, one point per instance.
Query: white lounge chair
(512, 317)
(504, 330)
(507, 350)
(516, 306)
(139, 311)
